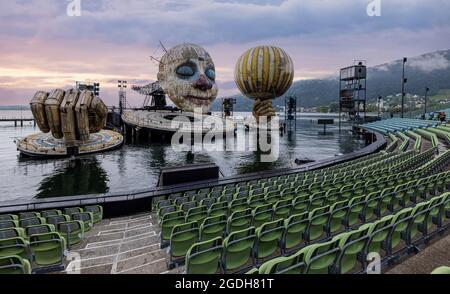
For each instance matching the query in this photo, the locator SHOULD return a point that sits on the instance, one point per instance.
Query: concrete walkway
(126, 245)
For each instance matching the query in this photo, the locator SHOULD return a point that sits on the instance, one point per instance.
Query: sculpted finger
(99, 115)
(82, 115)
(68, 118)
(37, 105)
(52, 112)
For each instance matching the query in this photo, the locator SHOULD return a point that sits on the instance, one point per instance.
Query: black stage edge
(119, 204)
(221, 283)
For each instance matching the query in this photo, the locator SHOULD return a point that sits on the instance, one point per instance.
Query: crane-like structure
(155, 98)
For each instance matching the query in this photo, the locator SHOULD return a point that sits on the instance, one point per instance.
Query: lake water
(136, 166)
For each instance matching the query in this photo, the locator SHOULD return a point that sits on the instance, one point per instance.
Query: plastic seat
(182, 238)
(70, 210)
(165, 210)
(237, 249)
(48, 250)
(197, 214)
(213, 227)
(261, 215)
(317, 222)
(72, 231)
(256, 200)
(335, 223)
(181, 200)
(294, 264)
(14, 265)
(32, 221)
(218, 208)
(442, 270)
(295, 230)
(52, 212)
(25, 215)
(199, 197)
(351, 246)
(321, 258)
(239, 220)
(400, 223)
(300, 204)
(156, 200)
(268, 239)
(168, 222)
(97, 212)
(282, 209)
(238, 204)
(86, 217)
(356, 206)
(186, 206)
(204, 257)
(9, 224)
(8, 217)
(378, 234)
(208, 202)
(15, 246)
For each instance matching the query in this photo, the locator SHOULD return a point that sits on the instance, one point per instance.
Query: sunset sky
(42, 47)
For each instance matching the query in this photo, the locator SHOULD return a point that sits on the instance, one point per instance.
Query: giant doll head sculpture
(187, 75)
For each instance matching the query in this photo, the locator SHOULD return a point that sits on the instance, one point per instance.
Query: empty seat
(237, 249)
(48, 250)
(70, 210)
(14, 246)
(351, 246)
(168, 221)
(73, 231)
(282, 209)
(14, 265)
(39, 229)
(8, 217)
(321, 258)
(9, 224)
(218, 208)
(268, 239)
(293, 264)
(186, 206)
(442, 270)
(204, 257)
(51, 212)
(86, 217)
(197, 214)
(262, 214)
(32, 221)
(12, 233)
(295, 230)
(239, 220)
(97, 212)
(213, 227)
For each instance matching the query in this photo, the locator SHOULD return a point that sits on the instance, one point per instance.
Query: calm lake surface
(136, 166)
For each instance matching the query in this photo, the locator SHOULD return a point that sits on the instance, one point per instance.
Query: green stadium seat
(14, 265)
(8, 217)
(165, 210)
(86, 217)
(15, 246)
(32, 221)
(204, 257)
(9, 224)
(218, 208)
(351, 246)
(182, 238)
(213, 227)
(335, 223)
(293, 264)
(156, 200)
(196, 214)
(256, 200)
(317, 222)
(378, 234)
(320, 258)
(70, 210)
(268, 239)
(39, 229)
(169, 221)
(51, 212)
(239, 220)
(25, 215)
(261, 215)
(237, 250)
(72, 231)
(96, 210)
(208, 202)
(442, 270)
(186, 206)
(282, 209)
(356, 206)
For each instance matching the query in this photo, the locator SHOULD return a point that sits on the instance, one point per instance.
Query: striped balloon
(264, 72)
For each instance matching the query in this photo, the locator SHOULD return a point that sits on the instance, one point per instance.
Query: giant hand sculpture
(71, 115)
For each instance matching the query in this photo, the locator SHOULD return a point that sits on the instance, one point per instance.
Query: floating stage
(44, 145)
(170, 122)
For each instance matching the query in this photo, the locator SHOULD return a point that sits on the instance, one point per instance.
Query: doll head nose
(202, 83)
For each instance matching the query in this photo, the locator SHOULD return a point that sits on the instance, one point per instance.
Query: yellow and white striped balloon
(264, 72)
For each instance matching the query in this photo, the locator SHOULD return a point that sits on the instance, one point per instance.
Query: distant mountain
(428, 70)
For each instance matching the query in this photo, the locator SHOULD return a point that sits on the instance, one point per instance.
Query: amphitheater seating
(36, 241)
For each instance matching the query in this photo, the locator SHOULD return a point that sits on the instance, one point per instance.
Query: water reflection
(75, 177)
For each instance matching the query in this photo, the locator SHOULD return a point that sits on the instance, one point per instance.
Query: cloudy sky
(42, 47)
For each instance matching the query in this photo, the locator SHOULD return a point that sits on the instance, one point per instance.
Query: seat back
(204, 257)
